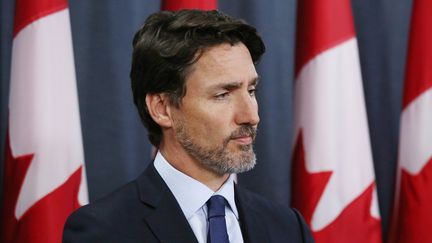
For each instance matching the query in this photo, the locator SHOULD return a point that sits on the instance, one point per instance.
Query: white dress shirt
(192, 196)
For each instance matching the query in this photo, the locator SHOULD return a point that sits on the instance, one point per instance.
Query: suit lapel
(253, 229)
(166, 220)
(168, 223)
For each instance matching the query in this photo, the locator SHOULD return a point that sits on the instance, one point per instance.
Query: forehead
(222, 63)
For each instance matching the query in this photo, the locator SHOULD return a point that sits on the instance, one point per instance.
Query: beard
(218, 158)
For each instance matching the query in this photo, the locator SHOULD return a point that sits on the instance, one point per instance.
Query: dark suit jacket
(146, 211)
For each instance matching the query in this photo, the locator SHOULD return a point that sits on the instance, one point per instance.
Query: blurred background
(115, 143)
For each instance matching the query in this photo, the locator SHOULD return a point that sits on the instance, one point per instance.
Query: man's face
(217, 118)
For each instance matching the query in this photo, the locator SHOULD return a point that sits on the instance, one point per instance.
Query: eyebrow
(235, 85)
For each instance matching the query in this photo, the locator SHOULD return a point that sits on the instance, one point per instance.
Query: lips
(245, 140)
(245, 135)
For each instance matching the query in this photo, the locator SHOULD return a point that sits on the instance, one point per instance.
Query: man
(194, 81)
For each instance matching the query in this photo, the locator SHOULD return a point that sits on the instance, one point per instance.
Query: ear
(159, 109)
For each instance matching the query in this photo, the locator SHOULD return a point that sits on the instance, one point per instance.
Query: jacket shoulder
(265, 206)
(281, 221)
(116, 217)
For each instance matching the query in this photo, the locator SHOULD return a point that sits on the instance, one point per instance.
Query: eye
(252, 91)
(222, 95)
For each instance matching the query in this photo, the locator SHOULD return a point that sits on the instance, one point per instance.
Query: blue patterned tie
(216, 216)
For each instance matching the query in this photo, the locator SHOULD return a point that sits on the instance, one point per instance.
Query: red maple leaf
(307, 187)
(42, 222)
(415, 206)
(354, 224)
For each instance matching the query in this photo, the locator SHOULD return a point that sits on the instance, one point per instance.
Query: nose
(247, 111)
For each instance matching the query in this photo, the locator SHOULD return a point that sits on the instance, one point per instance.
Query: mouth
(243, 136)
(243, 140)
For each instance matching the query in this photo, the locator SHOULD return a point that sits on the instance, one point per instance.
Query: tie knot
(216, 206)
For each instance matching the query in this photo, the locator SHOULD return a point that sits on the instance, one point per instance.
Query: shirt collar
(227, 191)
(191, 194)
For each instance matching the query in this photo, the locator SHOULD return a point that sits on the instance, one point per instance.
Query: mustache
(244, 131)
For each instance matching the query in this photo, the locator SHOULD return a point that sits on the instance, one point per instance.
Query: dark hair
(169, 43)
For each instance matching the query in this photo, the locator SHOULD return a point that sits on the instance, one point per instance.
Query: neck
(182, 161)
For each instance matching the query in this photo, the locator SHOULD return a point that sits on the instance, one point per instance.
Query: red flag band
(174, 5)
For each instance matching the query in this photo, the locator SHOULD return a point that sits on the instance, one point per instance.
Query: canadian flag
(174, 5)
(44, 165)
(333, 173)
(413, 207)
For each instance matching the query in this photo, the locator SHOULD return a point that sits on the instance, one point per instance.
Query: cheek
(211, 128)
(210, 122)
